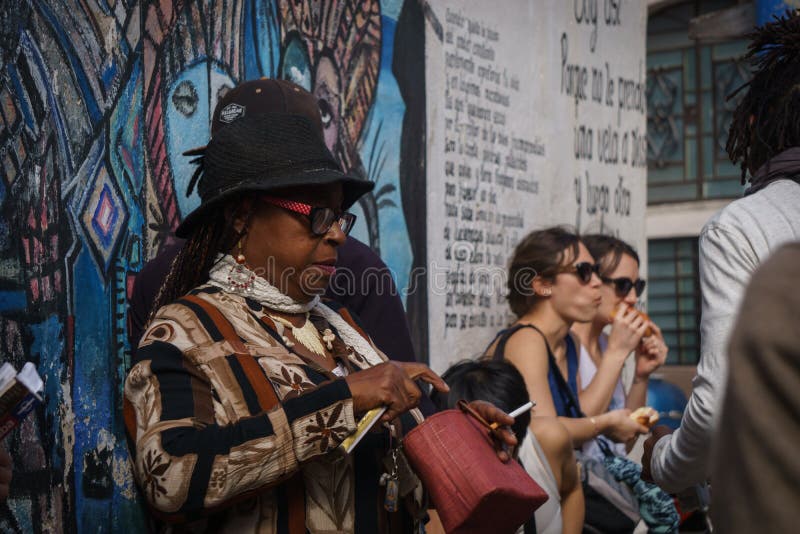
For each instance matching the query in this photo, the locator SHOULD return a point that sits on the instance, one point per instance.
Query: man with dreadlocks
(765, 138)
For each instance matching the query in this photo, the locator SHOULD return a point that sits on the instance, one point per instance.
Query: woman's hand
(391, 384)
(626, 331)
(503, 433)
(651, 354)
(618, 425)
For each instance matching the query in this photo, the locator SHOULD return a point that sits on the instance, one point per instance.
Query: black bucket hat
(266, 135)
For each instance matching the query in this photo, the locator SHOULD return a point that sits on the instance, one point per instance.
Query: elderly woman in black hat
(245, 384)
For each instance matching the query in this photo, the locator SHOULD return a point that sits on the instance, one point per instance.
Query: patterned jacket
(231, 431)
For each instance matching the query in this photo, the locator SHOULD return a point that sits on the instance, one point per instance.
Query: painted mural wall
(99, 98)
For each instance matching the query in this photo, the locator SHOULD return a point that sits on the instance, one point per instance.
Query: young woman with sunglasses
(602, 356)
(553, 283)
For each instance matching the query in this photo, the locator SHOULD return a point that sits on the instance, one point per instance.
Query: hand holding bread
(645, 415)
(646, 318)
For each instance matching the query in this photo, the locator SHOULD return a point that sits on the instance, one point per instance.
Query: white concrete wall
(536, 117)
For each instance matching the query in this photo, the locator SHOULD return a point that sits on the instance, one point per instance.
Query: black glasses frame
(323, 218)
(582, 270)
(623, 285)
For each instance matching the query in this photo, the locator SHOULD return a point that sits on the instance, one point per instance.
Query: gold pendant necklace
(307, 335)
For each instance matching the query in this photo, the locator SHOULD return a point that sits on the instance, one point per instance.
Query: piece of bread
(645, 415)
(648, 331)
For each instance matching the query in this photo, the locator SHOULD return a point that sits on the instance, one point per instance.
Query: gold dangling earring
(240, 278)
(240, 259)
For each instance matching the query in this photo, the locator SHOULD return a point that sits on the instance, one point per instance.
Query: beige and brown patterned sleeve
(198, 444)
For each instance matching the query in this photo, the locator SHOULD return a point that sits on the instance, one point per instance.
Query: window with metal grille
(673, 296)
(687, 112)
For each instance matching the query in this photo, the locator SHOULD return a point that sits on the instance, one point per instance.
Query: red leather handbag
(453, 454)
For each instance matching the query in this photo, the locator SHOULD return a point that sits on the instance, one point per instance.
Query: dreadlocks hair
(190, 267)
(767, 120)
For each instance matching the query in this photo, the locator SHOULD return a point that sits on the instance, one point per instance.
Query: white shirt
(533, 459)
(732, 244)
(587, 369)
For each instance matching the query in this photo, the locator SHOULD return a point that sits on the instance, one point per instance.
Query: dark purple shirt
(362, 283)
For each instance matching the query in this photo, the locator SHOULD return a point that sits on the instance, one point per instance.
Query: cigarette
(519, 411)
(522, 409)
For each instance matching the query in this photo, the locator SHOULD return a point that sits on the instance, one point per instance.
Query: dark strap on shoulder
(265, 392)
(267, 399)
(566, 392)
(564, 389)
(499, 353)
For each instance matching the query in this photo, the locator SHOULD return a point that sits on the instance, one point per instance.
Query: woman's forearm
(571, 492)
(637, 395)
(582, 429)
(596, 396)
(573, 509)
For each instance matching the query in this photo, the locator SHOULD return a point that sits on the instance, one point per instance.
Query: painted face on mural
(279, 243)
(190, 101)
(327, 90)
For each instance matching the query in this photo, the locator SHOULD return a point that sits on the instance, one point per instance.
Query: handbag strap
(564, 390)
(569, 395)
(604, 447)
(294, 485)
(263, 388)
(469, 410)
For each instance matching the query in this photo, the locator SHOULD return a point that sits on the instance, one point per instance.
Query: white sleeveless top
(587, 369)
(533, 459)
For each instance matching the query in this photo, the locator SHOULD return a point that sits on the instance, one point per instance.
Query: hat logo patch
(231, 112)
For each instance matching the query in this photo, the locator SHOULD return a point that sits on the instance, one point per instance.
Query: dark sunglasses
(583, 270)
(322, 219)
(623, 286)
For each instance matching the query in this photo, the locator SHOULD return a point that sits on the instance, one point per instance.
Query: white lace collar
(237, 279)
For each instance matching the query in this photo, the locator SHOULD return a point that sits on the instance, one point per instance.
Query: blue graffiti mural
(98, 99)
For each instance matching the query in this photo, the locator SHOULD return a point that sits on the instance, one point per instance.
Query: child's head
(497, 382)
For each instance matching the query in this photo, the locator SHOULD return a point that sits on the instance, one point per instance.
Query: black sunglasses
(584, 270)
(321, 218)
(623, 286)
